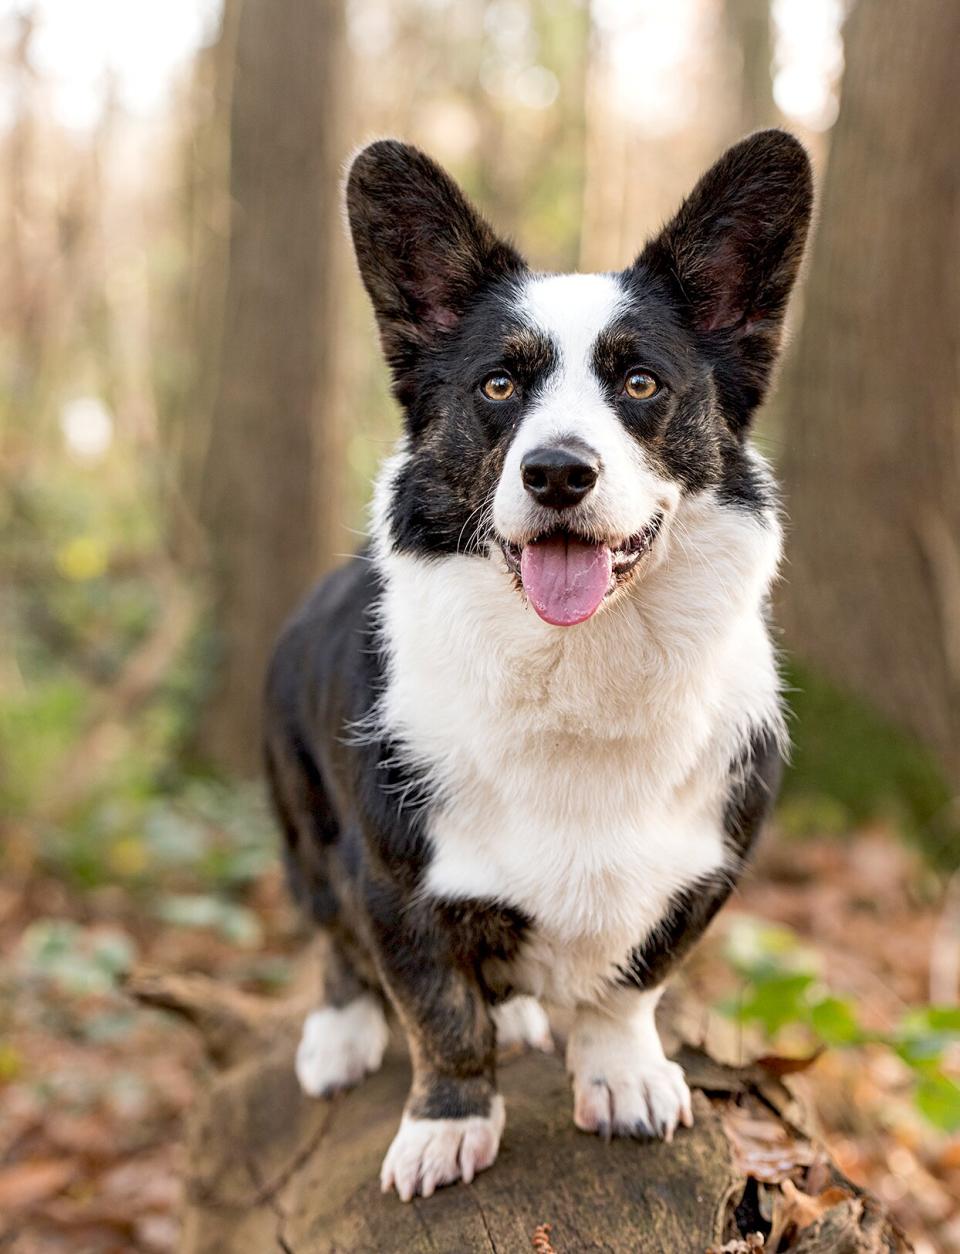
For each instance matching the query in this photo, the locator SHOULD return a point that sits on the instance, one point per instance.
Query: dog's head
(556, 422)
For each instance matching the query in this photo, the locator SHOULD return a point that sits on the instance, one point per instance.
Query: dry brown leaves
(794, 1210)
(795, 1183)
(90, 1124)
(29, 1183)
(763, 1146)
(83, 1166)
(871, 910)
(753, 1243)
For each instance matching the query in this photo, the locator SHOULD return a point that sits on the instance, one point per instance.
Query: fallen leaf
(794, 1209)
(86, 1134)
(541, 1239)
(120, 1194)
(26, 1184)
(818, 1177)
(752, 1243)
(777, 1064)
(763, 1147)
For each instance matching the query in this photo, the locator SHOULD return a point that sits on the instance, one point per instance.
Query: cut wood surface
(270, 1169)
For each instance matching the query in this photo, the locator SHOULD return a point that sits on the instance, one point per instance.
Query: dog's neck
(693, 625)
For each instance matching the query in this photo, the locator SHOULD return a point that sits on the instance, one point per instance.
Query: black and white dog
(522, 744)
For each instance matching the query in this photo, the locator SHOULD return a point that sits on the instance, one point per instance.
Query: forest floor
(94, 1090)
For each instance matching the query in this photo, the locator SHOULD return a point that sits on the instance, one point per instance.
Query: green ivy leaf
(926, 1019)
(777, 1000)
(920, 1052)
(938, 1097)
(834, 1021)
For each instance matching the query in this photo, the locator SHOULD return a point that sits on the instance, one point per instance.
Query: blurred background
(191, 410)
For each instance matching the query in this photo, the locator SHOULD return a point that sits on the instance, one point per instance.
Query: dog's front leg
(623, 1083)
(454, 1117)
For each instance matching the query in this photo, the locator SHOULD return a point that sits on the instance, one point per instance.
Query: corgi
(522, 744)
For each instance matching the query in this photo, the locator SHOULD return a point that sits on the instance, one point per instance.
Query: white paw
(522, 1021)
(648, 1101)
(427, 1153)
(340, 1045)
(623, 1083)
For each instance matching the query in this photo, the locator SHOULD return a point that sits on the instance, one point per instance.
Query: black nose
(558, 477)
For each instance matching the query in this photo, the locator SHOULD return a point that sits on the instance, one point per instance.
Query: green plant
(782, 990)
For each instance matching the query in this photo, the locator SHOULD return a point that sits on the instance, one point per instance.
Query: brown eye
(640, 385)
(499, 387)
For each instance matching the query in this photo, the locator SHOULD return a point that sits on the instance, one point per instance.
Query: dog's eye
(498, 387)
(640, 385)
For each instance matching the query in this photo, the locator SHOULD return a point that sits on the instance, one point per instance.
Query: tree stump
(271, 1169)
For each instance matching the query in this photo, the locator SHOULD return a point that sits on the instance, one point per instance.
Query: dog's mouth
(567, 576)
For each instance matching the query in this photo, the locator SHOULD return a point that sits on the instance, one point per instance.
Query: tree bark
(269, 1169)
(748, 30)
(270, 496)
(22, 310)
(197, 303)
(872, 396)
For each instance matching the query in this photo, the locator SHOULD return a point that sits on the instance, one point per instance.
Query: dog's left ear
(730, 258)
(423, 251)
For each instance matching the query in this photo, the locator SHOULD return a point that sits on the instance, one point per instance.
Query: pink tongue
(565, 579)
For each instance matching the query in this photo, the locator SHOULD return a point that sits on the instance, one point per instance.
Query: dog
(522, 744)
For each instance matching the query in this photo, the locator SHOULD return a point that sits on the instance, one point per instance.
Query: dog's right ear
(730, 258)
(423, 251)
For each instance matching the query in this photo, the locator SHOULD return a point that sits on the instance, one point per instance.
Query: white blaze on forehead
(572, 311)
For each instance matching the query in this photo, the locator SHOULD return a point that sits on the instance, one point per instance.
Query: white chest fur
(580, 774)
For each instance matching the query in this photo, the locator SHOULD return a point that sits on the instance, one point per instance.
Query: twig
(231, 1024)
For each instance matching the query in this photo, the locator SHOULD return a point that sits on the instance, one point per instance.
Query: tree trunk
(269, 1169)
(748, 31)
(23, 302)
(270, 489)
(872, 456)
(197, 303)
